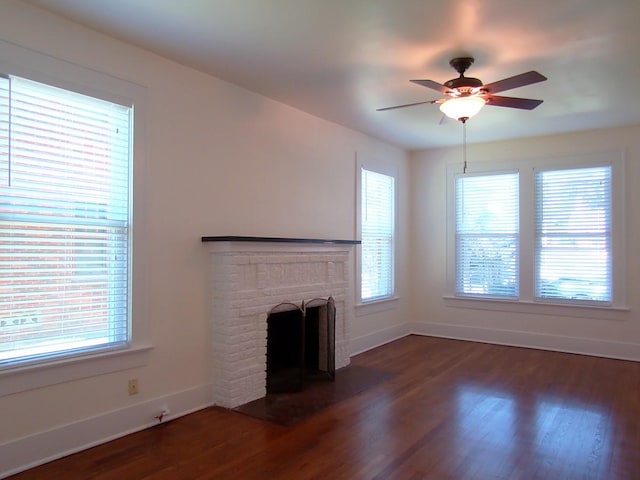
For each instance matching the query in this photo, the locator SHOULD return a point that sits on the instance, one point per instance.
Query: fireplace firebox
(300, 344)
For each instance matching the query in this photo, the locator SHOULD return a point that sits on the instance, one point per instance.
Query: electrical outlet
(133, 386)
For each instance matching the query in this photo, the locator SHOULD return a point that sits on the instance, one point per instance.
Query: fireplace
(249, 277)
(300, 345)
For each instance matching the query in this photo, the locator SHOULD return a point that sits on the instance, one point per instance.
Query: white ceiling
(342, 59)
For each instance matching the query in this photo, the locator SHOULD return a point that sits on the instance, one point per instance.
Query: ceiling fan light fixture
(462, 107)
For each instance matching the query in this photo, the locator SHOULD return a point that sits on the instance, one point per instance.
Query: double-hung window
(573, 234)
(542, 233)
(377, 231)
(64, 223)
(487, 235)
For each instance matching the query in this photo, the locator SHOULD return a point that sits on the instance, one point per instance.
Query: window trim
(43, 68)
(384, 168)
(526, 303)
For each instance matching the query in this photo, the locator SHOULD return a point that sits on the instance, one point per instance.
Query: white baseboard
(585, 346)
(34, 450)
(375, 339)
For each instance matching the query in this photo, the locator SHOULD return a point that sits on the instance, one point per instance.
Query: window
(377, 232)
(64, 222)
(573, 234)
(487, 235)
(545, 233)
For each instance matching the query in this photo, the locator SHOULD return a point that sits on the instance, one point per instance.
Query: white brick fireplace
(250, 276)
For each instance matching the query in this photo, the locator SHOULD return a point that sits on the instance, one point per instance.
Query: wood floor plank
(451, 410)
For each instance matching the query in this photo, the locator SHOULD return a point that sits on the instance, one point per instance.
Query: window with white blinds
(377, 225)
(542, 238)
(573, 234)
(64, 222)
(486, 235)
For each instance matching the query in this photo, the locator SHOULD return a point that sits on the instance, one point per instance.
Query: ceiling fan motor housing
(461, 82)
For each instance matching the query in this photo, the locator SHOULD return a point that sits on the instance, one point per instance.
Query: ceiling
(342, 59)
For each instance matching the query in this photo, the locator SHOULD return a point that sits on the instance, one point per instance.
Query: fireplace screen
(300, 344)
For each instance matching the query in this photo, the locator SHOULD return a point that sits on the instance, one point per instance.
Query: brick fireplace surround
(250, 276)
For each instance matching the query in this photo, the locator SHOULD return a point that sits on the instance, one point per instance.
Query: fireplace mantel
(279, 240)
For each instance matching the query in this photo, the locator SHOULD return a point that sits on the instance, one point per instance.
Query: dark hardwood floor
(452, 410)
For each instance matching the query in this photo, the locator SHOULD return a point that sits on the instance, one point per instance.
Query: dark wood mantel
(280, 240)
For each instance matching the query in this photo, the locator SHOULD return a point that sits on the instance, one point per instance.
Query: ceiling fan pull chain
(464, 146)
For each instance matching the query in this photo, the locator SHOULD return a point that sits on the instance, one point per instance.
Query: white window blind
(377, 231)
(487, 235)
(64, 222)
(4, 131)
(573, 234)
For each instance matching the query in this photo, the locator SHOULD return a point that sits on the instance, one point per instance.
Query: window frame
(527, 302)
(43, 68)
(607, 236)
(384, 168)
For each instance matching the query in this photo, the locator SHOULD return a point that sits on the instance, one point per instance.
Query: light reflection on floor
(571, 437)
(495, 433)
(485, 430)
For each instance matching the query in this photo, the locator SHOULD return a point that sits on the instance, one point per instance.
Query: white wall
(590, 331)
(220, 161)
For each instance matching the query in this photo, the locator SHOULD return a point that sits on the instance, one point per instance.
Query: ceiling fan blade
(432, 85)
(406, 105)
(511, 102)
(521, 80)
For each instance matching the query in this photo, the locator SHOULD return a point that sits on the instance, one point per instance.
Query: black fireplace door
(300, 344)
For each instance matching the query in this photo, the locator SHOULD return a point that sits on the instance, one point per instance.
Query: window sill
(538, 308)
(376, 306)
(28, 377)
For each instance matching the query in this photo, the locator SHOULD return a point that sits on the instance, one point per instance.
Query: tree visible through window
(64, 222)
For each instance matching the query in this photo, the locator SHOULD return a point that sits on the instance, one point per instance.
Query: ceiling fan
(465, 96)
